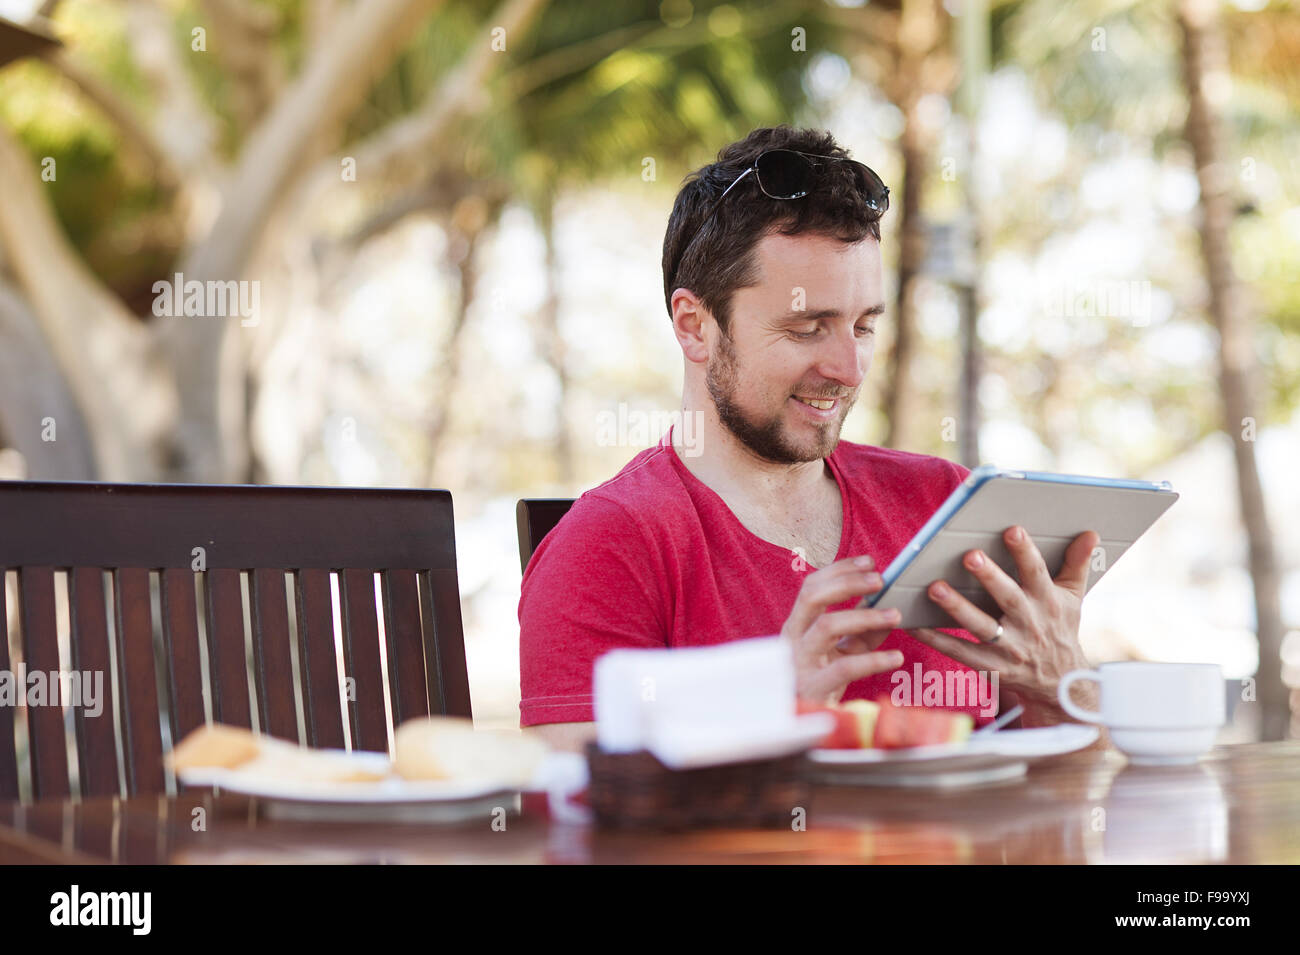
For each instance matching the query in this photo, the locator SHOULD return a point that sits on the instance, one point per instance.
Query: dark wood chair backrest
(535, 517)
(176, 594)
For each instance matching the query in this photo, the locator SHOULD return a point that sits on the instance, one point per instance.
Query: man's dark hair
(719, 258)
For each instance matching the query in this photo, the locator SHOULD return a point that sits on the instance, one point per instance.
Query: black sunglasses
(790, 174)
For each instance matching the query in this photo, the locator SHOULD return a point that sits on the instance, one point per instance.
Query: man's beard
(767, 439)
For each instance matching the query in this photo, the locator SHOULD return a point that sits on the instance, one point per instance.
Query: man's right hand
(823, 665)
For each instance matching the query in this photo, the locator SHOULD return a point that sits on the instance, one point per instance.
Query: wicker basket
(636, 791)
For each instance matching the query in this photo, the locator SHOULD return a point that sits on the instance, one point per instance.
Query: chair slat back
(320, 678)
(141, 733)
(361, 653)
(41, 651)
(534, 519)
(440, 606)
(273, 667)
(406, 673)
(180, 619)
(96, 734)
(244, 605)
(8, 753)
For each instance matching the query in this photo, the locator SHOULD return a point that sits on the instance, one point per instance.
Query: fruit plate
(994, 757)
(391, 799)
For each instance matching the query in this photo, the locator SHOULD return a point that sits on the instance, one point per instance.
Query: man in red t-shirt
(751, 517)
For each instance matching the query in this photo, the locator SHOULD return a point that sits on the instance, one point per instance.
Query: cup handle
(1063, 694)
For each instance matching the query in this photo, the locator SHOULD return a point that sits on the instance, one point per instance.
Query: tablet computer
(1053, 508)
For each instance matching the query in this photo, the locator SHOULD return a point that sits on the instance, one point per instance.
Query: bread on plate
(439, 747)
(217, 746)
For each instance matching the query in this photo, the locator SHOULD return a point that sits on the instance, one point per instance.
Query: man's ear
(690, 323)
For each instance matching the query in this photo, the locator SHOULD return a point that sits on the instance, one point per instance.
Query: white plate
(996, 756)
(391, 798)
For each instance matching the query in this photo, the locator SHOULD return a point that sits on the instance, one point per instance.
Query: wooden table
(1240, 804)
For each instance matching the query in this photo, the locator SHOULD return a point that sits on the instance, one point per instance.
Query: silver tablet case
(1053, 508)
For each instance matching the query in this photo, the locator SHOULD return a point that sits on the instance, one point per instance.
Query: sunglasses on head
(790, 174)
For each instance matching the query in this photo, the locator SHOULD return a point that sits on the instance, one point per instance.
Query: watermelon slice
(897, 727)
(845, 733)
(862, 724)
(865, 714)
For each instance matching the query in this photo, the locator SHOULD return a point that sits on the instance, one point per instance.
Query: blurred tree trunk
(106, 357)
(551, 343)
(361, 43)
(974, 45)
(918, 72)
(113, 364)
(1205, 73)
(468, 221)
(900, 396)
(32, 390)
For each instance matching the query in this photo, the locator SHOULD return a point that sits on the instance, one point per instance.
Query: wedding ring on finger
(996, 637)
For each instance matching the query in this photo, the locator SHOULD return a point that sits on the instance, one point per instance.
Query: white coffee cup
(1157, 713)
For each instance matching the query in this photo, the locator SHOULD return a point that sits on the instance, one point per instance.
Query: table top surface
(1238, 804)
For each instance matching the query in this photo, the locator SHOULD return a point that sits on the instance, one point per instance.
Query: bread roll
(288, 762)
(214, 747)
(231, 747)
(447, 748)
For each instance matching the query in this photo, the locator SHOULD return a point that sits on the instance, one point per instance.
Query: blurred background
(433, 233)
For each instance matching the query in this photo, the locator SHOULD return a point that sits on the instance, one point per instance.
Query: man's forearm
(572, 737)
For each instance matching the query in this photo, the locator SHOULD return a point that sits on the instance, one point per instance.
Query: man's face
(805, 332)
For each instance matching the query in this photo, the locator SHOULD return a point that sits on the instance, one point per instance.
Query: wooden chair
(160, 580)
(535, 518)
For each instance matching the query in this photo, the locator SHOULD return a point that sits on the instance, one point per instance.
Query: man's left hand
(1040, 622)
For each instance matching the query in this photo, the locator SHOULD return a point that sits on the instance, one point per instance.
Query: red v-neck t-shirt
(654, 558)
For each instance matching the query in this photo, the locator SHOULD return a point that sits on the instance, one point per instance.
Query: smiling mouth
(821, 404)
